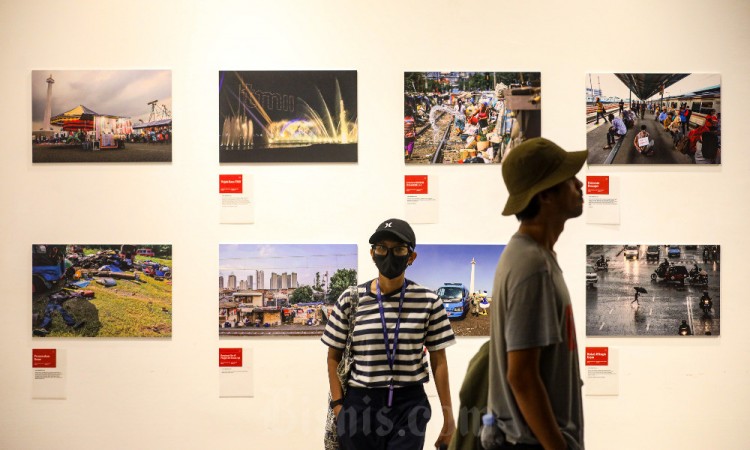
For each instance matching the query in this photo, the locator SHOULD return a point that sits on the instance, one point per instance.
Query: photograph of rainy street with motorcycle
(653, 290)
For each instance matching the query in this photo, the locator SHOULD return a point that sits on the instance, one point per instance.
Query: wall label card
(603, 195)
(602, 371)
(421, 198)
(235, 372)
(235, 194)
(48, 366)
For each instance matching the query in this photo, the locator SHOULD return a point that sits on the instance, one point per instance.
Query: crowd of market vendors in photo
(483, 127)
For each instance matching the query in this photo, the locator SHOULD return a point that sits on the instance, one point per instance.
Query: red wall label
(44, 358)
(230, 184)
(230, 357)
(597, 185)
(415, 184)
(597, 356)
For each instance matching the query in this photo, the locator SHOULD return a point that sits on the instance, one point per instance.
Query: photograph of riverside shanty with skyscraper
(462, 276)
(101, 116)
(288, 116)
(653, 118)
(469, 117)
(281, 289)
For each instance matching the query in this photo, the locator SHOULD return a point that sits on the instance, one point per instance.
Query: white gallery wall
(163, 393)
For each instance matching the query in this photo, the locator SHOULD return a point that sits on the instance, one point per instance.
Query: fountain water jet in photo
(253, 121)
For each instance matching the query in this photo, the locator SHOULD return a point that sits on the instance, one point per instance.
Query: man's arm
(439, 364)
(532, 398)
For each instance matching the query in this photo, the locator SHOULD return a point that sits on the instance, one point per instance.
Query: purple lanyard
(390, 356)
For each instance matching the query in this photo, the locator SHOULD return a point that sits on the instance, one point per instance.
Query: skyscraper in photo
(232, 282)
(293, 284)
(221, 282)
(284, 281)
(259, 279)
(249, 281)
(273, 281)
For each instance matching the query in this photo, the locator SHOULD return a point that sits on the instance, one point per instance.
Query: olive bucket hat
(535, 165)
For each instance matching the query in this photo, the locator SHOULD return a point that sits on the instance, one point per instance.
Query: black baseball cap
(397, 228)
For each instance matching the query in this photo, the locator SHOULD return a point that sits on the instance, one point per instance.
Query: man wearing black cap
(535, 383)
(385, 406)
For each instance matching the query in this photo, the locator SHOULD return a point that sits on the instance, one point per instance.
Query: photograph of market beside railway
(461, 275)
(653, 290)
(91, 290)
(281, 289)
(469, 117)
(653, 118)
(101, 116)
(288, 116)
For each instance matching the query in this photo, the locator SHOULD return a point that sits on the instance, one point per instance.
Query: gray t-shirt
(531, 308)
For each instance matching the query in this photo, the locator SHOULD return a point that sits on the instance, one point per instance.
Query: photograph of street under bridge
(101, 116)
(653, 118)
(281, 289)
(461, 275)
(653, 290)
(469, 117)
(288, 116)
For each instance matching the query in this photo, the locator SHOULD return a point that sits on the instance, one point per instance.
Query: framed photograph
(288, 116)
(281, 289)
(653, 290)
(116, 290)
(462, 276)
(101, 116)
(469, 117)
(653, 118)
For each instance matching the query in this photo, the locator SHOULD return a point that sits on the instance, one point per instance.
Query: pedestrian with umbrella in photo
(638, 291)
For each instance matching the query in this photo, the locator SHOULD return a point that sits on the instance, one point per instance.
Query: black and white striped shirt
(424, 323)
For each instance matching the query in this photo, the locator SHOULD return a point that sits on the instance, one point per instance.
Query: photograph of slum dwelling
(653, 118)
(122, 290)
(101, 116)
(469, 117)
(462, 276)
(653, 290)
(281, 289)
(288, 116)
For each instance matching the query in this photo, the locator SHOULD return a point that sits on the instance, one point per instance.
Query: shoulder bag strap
(354, 294)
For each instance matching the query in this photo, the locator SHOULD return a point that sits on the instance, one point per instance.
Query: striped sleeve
(337, 327)
(439, 332)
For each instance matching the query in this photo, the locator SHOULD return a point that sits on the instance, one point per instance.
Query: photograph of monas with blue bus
(462, 276)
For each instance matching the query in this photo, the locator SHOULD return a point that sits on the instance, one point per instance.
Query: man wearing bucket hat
(385, 405)
(535, 383)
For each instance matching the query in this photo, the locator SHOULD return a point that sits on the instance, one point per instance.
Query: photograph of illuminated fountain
(288, 116)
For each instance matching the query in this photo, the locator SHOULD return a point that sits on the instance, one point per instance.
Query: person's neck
(388, 285)
(543, 230)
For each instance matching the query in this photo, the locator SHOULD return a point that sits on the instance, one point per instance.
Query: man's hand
(446, 433)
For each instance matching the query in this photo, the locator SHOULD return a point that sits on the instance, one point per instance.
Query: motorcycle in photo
(706, 303)
(698, 276)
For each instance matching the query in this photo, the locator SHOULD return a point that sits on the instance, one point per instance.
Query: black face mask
(391, 266)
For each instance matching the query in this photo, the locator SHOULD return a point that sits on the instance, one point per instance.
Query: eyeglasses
(382, 250)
